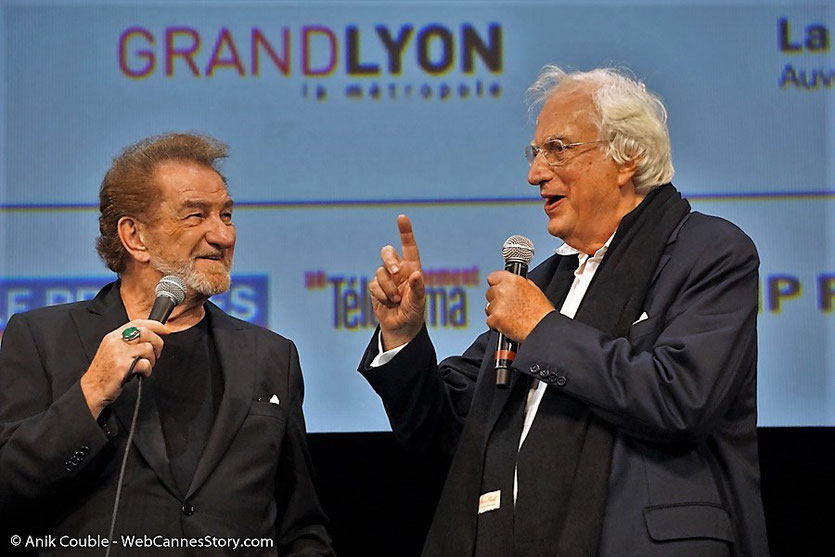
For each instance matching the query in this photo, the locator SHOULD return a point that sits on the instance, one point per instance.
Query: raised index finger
(407, 240)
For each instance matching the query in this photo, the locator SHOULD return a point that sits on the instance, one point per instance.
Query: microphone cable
(169, 293)
(124, 458)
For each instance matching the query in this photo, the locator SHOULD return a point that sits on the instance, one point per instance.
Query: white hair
(632, 119)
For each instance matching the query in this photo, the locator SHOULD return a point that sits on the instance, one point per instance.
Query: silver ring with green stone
(131, 333)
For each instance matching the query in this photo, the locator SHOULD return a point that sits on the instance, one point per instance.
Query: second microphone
(517, 252)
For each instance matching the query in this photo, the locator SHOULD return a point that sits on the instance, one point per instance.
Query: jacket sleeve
(675, 388)
(426, 402)
(301, 523)
(45, 442)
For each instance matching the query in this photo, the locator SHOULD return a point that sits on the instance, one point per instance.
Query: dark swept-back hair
(128, 188)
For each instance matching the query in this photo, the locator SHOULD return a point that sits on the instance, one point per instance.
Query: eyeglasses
(554, 151)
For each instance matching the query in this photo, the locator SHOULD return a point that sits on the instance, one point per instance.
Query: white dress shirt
(587, 267)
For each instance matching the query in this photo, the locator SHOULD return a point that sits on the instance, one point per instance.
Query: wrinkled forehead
(186, 175)
(186, 182)
(569, 113)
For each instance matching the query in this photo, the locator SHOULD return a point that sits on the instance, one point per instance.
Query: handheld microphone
(518, 253)
(170, 292)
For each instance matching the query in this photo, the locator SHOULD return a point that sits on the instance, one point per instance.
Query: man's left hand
(515, 305)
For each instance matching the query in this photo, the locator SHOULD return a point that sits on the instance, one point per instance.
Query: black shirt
(188, 384)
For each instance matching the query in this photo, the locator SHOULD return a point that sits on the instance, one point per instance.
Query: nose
(539, 172)
(220, 234)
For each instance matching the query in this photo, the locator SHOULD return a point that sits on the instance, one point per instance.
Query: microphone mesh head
(173, 287)
(518, 248)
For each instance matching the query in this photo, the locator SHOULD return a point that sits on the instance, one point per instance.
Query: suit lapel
(104, 314)
(665, 257)
(232, 341)
(500, 396)
(661, 263)
(148, 437)
(560, 281)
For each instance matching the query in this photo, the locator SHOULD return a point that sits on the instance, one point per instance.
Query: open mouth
(553, 201)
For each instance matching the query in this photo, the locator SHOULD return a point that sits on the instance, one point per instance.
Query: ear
(130, 234)
(626, 171)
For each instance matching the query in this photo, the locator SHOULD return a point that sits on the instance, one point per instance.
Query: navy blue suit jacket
(680, 391)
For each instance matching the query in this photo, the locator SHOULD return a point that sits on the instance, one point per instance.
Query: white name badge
(490, 501)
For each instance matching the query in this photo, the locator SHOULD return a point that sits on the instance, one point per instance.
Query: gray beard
(202, 283)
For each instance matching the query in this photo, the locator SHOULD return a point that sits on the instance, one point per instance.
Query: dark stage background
(380, 499)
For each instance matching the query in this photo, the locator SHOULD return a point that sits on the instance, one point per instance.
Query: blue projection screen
(340, 115)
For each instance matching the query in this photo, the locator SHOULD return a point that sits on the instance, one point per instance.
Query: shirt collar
(565, 249)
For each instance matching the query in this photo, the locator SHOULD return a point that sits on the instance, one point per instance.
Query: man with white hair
(629, 427)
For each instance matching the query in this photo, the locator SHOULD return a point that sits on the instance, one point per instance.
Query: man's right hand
(397, 291)
(103, 380)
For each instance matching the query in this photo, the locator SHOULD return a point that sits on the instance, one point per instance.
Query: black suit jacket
(680, 391)
(59, 467)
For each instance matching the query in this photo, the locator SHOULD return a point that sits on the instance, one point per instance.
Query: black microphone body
(506, 348)
(170, 292)
(163, 306)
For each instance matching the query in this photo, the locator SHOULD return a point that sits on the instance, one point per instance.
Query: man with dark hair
(629, 427)
(218, 459)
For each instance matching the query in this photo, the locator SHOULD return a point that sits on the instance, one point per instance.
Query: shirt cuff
(382, 358)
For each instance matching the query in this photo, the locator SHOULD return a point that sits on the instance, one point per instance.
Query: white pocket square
(274, 400)
(643, 317)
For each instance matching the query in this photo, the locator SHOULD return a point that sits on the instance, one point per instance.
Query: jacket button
(188, 509)
(85, 450)
(69, 466)
(108, 431)
(534, 368)
(561, 381)
(543, 373)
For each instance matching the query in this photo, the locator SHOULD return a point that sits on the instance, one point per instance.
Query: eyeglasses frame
(533, 151)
